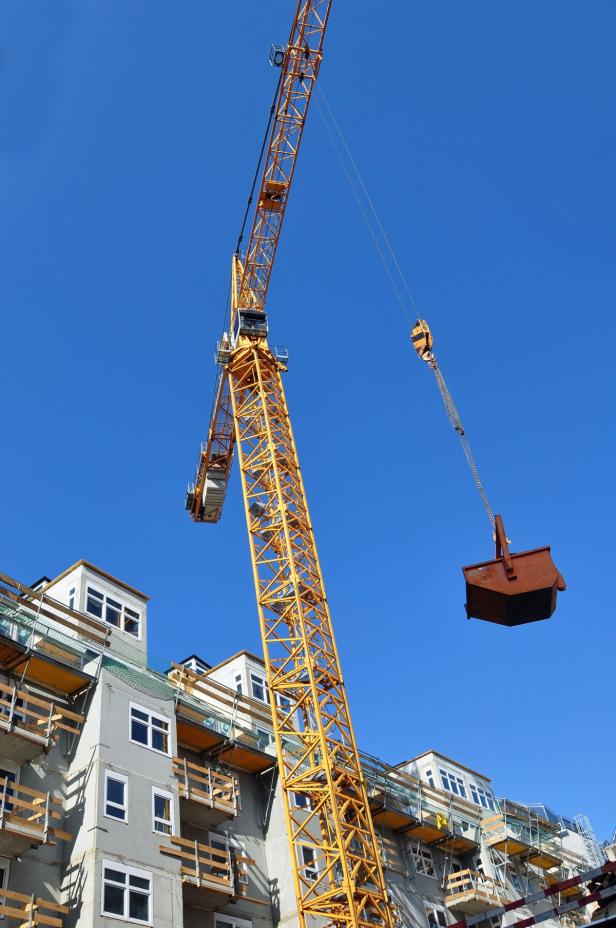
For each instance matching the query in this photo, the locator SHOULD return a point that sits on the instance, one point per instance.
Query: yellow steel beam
(340, 879)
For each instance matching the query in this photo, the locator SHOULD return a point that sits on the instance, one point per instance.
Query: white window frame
(72, 594)
(5, 868)
(424, 861)
(309, 868)
(296, 805)
(219, 917)
(238, 683)
(452, 782)
(129, 871)
(119, 778)
(152, 715)
(429, 776)
(265, 732)
(164, 794)
(262, 682)
(482, 797)
(135, 614)
(437, 910)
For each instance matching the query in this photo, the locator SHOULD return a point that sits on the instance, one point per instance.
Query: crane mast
(335, 857)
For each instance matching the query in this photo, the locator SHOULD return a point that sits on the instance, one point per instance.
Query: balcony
(471, 892)
(391, 807)
(570, 892)
(465, 836)
(507, 835)
(26, 819)
(208, 796)
(523, 838)
(47, 642)
(31, 911)
(201, 728)
(210, 876)
(204, 712)
(30, 724)
(545, 854)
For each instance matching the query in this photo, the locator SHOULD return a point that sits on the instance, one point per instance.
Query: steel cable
(454, 417)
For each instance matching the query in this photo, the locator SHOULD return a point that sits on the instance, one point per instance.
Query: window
(430, 777)
(7, 778)
(127, 893)
(301, 801)
(259, 688)
(149, 729)
(424, 862)
(4, 878)
(131, 622)
(515, 880)
(265, 737)
(229, 921)
(436, 916)
(453, 783)
(482, 797)
(162, 811)
(308, 863)
(230, 846)
(113, 612)
(283, 703)
(238, 683)
(116, 796)
(71, 598)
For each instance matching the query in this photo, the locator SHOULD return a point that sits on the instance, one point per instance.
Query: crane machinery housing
(317, 754)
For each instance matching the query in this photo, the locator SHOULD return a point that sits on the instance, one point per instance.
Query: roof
(228, 660)
(450, 760)
(101, 573)
(198, 659)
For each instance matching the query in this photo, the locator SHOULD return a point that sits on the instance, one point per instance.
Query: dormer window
(113, 612)
(452, 783)
(482, 797)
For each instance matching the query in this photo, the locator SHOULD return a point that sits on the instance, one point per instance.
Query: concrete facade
(167, 801)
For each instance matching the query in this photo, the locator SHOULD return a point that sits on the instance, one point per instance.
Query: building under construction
(153, 796)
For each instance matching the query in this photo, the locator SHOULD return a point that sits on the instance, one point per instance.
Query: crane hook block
(421, 336)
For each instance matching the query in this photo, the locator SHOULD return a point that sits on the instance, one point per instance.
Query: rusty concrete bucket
(513, 589)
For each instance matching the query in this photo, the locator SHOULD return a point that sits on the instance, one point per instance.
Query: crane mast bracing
(336, 861)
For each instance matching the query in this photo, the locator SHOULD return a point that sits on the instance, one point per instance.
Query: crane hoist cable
(513, 589)
(422, 339)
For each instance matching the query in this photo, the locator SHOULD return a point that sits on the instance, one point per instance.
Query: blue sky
(486, 136)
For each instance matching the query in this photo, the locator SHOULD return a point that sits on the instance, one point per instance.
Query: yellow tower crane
(317, 754)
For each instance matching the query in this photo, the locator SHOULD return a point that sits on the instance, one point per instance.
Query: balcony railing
(472, 892)
(506, 834)
(209, 868)
(31, 911)
(27, 818)
(515, 838)
(217, 792)
(34, 720)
